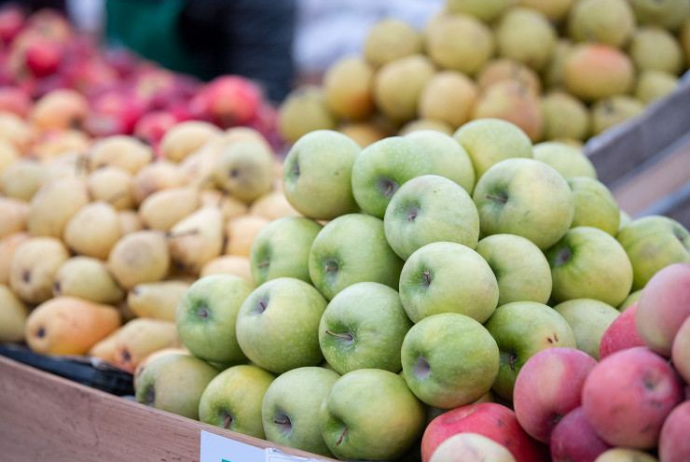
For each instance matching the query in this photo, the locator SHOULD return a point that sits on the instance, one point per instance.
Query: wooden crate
(49, 419)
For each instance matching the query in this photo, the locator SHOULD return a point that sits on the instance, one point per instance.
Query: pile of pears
(98, 244)
(558, 69)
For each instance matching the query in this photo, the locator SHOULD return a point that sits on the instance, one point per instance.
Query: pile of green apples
(424, 273)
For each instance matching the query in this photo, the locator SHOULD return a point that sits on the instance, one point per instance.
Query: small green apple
(489, 141)
(628, 302)
(352, 249)
(445, 277)
(317, 173)
(363, 327)
(527, 198)
(653, 243)
(174, 383)
(277, 325)
(589, 263)
(233, 400)
(290, 409)
(281, 249)
(206, 318)
(588, 319)
(370, 414)
(449, 360)
(430, 209)
(595, 206)
(521, 330)
(521, 269)
(567, 160)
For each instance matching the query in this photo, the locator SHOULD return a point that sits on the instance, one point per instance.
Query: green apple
(521, 330)
(277, 325)
(352, 249)
(521, 269)
(653, 243)
(489, 141)
(174, 383)
(233, 400)
(445, 277)
(370, 414)
(527, 198)
(588, 319)
(430, 209)
(317, 173)
(630, 300)
(363, 327)
(281, 249)
(449, 360)
(589, 263)
(567, 160)
(595, 206)
(449, 157)
(206, 318)
(290, 409)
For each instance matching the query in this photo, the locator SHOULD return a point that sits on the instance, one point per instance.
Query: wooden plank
(47, 418)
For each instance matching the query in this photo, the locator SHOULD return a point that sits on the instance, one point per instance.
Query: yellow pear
(139, 257)
(125, 152)
(197, 168)
(157, 300)
(240, 233)
(23, 179)
(229, 264)
(105, 349)
(245, 170)
(229, 206)
(163, 209)
(55, 204)
(69, 326)
(55, 144)
(34, 266)
(139, 338)
(87, 278)
(13, 314)
(13, 213)
(156, 177)
(273, 206)
(186, 138)
(8, 246)
(113, 185)
(15, 130)
(197, 239)
(8, 154)
(94, 230)
(241, 134)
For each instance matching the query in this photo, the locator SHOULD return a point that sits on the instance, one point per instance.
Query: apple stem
(502, 198)
(227, 420)
(347, 337)
(342, 437)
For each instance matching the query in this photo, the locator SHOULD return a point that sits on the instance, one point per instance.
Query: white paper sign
(215, 448)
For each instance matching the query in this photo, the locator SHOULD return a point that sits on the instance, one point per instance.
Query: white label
(215, 448)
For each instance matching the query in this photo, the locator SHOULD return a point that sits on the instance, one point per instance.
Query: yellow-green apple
(233, 400)
(352, 249)
(471, 447)
(653, 243)
(565, 117)
(290, 409)
(370, 414)
(521, 330)
(628, 395)
(610, 22)
(429, 209)
(674, 444)
(207, 315)
(567, 160)
(445, 277)
(668, 14)
(524, 197)
(574, 440)
(589, 263)
(656, 49)
(549, 387)
(663, 307)
(526, 36)
(555, 10)
(174, 383)
(654, 85)
(448, 157)
(625, 455)
(595, 206)
(621, 334)
(630, 300)
(281, 249)
(491, 420)
(593, 71)
(680, 354)
(391, 39)
(521, 269)
(485, 10)
(277, 325)
(588, 319)
(459, 43)
(449, 360)
(363, 327)
(317, 173)
(489, 141)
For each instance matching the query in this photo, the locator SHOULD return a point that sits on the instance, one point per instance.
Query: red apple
(574, 439)
(548, 387)
(11, 23)
(621, 334)
(43, 57)
(628, 395)
(151, 127)
(492, 420)
(232, 100)
(114, 112)
(674, 442)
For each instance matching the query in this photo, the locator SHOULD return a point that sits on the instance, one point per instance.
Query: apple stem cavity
(283, 422)
(348, 337)
(388, 187)
(262, 305)
(342, 437)
(150, 396)
(426, 278)
(501, 197)
(203, 312)
(227, 420)
(331, 266)
(412, 214)
(509, 358)
(234, 173)
(562, 257)
(422, 368)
